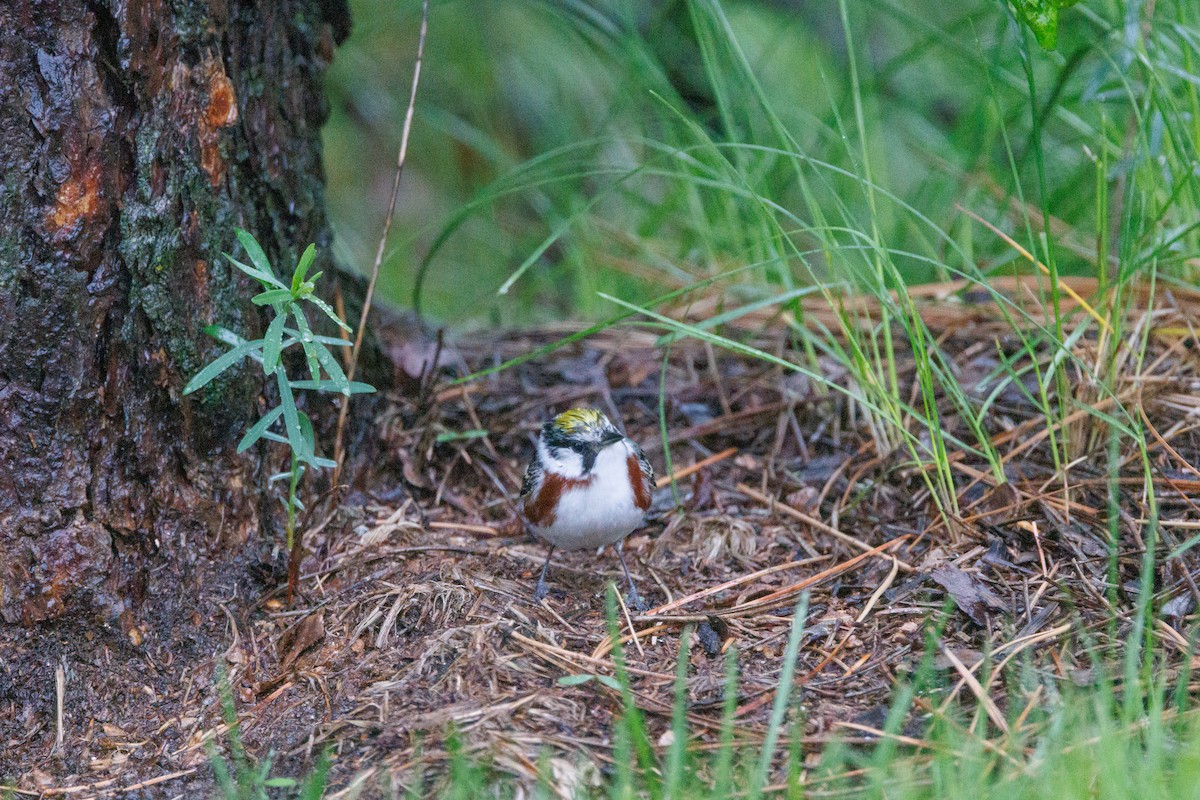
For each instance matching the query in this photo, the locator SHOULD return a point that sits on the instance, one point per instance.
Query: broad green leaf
(356, 387)
(273, 343)
(306, 261)
(329, 312)
(220, 364)
(271, 296)
(255, 251)
(260, 427)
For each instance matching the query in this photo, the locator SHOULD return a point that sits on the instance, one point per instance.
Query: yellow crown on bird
(577, 419)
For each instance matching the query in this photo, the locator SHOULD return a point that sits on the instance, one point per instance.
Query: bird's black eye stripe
(554, 437)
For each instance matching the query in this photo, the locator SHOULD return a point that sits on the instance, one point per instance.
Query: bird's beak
(611, 438)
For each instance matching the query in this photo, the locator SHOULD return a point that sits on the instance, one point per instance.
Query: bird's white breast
(600, 513)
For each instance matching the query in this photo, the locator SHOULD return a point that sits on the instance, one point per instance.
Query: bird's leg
(539, 593)
(632, 599)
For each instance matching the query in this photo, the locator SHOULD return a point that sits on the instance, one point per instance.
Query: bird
(588, 485)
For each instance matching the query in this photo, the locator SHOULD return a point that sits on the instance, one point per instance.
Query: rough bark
(134, 135)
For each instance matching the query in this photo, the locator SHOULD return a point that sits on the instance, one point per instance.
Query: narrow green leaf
(306, 339)
(274, 437)
(332, 367)
(255, 251)
(356, 387)
(574, 680)
(609, 681)
(306, 261)
(271, 296)
(279, 783)
(310, 443)
(273, 343)
(291, 417)
(299, 506)
(255, 433)
(220, 364)
(262, 277)
(321, 304)
(332, 341)
(306, 430)
(454, 436)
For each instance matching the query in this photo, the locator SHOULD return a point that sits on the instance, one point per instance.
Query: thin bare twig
(338, 449)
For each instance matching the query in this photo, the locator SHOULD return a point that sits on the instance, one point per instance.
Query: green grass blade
(677, 752)
(783, 693)
(313, 787)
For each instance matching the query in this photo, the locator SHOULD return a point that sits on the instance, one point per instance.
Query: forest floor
(415, 612)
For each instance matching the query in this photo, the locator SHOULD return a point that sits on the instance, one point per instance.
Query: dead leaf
(310, 631)
(1001, 505)
(970, 593)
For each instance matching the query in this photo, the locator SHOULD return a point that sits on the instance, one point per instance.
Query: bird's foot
(635, 602)
(540, 591)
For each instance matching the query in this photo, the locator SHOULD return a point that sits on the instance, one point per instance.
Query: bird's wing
(533, 477)
(647, 469)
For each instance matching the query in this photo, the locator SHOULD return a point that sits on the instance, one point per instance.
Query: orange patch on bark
(78, 198)
(220, 112)
(222, 105)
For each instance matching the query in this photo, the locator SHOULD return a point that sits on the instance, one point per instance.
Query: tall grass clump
(714, 162)
(1086, 743)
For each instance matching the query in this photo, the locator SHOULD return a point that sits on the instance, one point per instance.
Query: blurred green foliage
(568, 148)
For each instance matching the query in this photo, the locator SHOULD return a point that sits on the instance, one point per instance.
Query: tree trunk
(134, 136)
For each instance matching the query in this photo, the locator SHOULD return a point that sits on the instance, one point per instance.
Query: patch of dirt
(415, 610)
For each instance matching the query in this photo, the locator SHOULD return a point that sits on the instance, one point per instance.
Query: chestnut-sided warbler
(587, 486)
